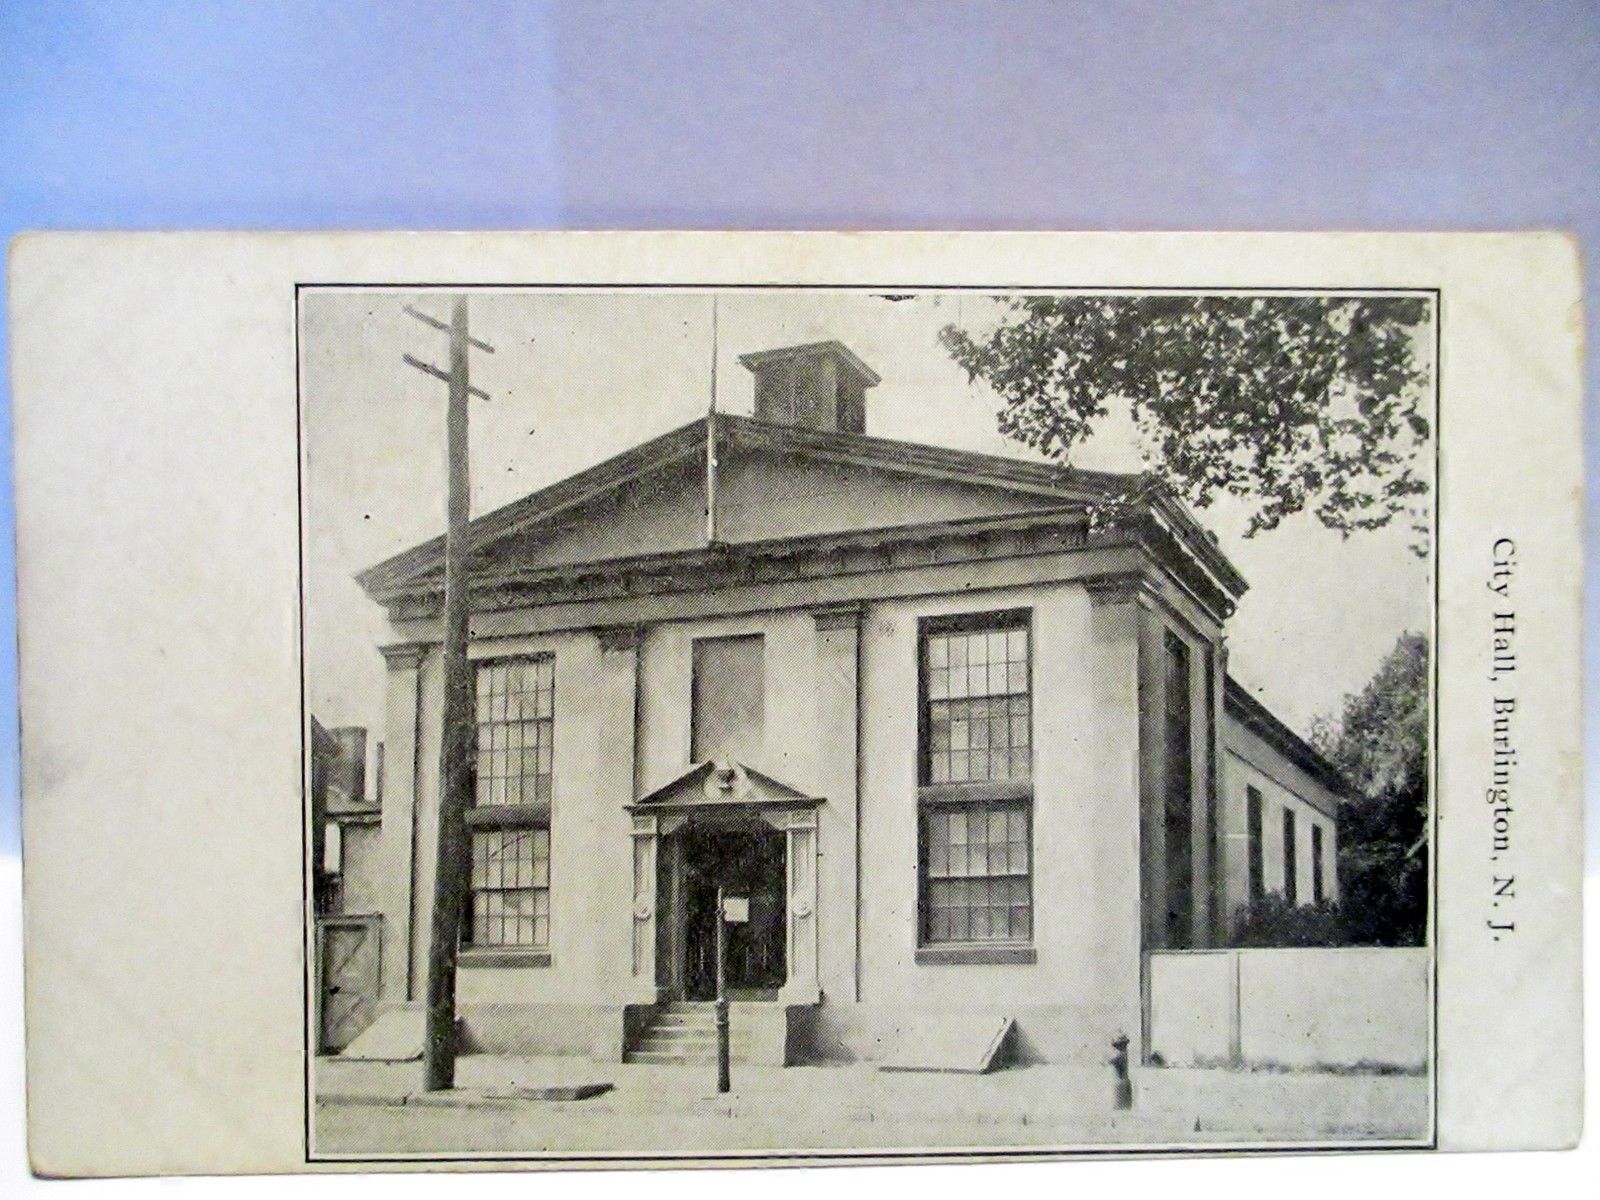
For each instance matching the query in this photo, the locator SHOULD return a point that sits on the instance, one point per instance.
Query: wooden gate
(348, 957)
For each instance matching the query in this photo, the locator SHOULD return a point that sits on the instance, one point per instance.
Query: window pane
(980, 923)
(996, 643)
(1022, 922)
(958, 682)
(960, 924)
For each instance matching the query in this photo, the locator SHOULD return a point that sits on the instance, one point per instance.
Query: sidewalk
(366, 1107)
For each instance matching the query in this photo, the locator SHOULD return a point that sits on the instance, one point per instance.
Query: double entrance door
(746, 862)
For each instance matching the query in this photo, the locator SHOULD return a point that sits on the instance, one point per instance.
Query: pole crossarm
(430, 369)
(444, 327)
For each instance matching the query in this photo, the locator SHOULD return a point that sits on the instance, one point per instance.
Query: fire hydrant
(1119, 1063)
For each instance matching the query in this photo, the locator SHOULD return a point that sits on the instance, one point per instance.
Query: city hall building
(958, 730)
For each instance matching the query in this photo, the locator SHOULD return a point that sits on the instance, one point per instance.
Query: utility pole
(456, 751)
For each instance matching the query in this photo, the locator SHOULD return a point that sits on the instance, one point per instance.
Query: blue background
(794, 115)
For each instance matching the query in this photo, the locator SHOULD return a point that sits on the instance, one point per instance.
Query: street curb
(470, 1099)
(359, 1098)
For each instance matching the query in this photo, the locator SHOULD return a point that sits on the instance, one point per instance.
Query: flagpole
(711, 438)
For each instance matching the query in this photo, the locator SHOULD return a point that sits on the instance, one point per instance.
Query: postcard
(570, 700)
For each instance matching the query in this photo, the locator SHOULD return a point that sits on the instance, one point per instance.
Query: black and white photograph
(770, 723)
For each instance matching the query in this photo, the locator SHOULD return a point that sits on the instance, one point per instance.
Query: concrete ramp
(396, 1036)
(963, 1043)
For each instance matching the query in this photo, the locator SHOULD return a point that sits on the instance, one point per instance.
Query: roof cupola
(819, 385)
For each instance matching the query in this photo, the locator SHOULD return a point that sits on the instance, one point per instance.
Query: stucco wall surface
(1083, 987)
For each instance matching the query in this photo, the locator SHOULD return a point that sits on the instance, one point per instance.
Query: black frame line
(881, 1157)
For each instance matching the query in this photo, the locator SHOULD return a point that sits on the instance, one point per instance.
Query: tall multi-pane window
(1291, 885)
(1256, 831)
(975, 777)
(1317, 892)
(510, 818)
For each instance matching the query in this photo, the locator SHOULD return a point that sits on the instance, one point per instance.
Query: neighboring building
(1280, 809)
(346, 866)
(957, 727)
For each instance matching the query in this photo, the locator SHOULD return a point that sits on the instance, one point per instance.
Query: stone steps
(686, 1034)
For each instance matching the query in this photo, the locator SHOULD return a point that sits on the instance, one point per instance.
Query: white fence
(1293, 1007)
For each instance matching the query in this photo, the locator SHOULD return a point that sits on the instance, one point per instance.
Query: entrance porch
(724, 829)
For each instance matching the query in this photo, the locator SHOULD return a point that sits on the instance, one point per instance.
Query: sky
(579, 377)
(799, 114)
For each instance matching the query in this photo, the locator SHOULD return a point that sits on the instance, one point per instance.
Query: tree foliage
(1289, 403)
(1272, 921)
(1379, 743)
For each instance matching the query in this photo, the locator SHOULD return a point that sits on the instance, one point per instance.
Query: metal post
(1123, 1096)
(711, 438)
(723, 1081)
(455, 758)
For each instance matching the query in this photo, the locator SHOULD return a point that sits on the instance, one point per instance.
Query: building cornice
(776, 560)
(819, 557)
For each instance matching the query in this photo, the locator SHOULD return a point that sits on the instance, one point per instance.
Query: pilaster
(838, 780)
(400, 799)
(624, 918)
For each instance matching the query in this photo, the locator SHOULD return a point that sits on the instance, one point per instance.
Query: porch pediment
(721, 785)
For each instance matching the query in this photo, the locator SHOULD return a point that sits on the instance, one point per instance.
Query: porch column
(399, 828)
(837, 781)
(800, 830)
(646, 846)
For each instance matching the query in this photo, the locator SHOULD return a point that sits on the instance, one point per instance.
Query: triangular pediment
(724, 784)
(773, 483)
